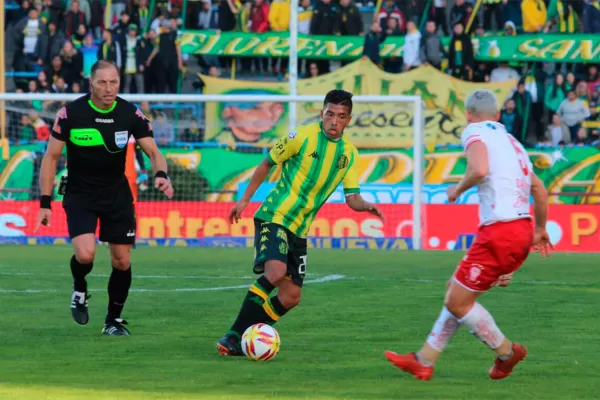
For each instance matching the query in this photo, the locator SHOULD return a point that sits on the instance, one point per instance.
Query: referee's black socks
(118, 289)
(79, 272)
(258, 307)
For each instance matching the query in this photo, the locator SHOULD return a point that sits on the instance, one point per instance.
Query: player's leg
(271, 254)
(289, 289)
(82, 224)
(118, 289)
(117, 227)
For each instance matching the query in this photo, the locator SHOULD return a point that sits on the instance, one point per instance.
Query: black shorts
(113, 208)
(274, 242)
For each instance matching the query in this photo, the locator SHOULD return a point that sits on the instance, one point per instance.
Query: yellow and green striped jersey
(313, 167)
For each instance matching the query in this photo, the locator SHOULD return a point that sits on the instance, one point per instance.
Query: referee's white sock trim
(481, 324)
(444, 328)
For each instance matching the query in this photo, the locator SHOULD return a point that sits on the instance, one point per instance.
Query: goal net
(212, 144)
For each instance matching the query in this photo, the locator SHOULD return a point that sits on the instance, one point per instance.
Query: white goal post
(418, 125)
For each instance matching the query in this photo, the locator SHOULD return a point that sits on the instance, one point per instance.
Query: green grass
(332, 345)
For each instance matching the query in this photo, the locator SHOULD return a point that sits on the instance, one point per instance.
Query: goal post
(213, 156)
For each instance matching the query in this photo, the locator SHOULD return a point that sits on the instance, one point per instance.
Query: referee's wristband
(46, 202)
(161, 174)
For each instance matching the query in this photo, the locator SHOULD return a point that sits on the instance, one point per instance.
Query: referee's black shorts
(113, 208)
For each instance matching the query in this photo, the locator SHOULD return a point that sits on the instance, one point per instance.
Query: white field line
(324, 279)
(135, 276)
(328, 278)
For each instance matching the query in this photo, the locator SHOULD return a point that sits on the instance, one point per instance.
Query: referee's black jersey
(97, 141)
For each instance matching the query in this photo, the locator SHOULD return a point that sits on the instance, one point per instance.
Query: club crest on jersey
(342, 162)
(292, 135)
(121, 138)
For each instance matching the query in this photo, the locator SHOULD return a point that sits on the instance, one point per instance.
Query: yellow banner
(383, 125)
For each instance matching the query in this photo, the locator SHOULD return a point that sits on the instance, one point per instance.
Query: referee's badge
(121, 138)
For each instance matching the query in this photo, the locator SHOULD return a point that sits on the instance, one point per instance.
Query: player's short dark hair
(102, 64)
(339, 97)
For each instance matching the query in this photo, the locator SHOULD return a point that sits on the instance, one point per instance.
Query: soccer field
(356, 304)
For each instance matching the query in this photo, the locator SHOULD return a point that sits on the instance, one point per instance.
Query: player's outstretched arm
(541, 240)
(477, 169)
(258, 177)
(357, 203)
(158, 164)
(47, 177)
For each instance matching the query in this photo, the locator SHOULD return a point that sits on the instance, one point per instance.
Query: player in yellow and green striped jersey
(315, 160)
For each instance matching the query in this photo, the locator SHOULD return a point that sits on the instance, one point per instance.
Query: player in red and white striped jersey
(500, 168)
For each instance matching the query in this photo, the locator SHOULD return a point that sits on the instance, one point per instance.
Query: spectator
(503, 73)
(148, 45)
(85, 8)
(73, 18)
(89, 54)
(305, 14)
(512, 121)
(566, 18)
(322, 23)
(557, 133)
(439, 15)
(140, 14)
(313, 70)
(392, 64)
(556, 93)
(534, 15)
(49, 45)
(110, 50)
(582, 93)
(593, 122)
(76, 88)
(56, 10)
(118, 7)
(348, 20)
(593, 79)
(259, 23)
(573, 112)
(460, 13)
(55, 71)
(134, 61)
(72, 63)
(391, 10)
(42, 82)
(279, 20)
(78, 37)
(60, 86)
(591, 17)
(163, 130)
(460, 56)
(570, 79)
(204, 15)
(193, 133)
(168, 58)
(27, 32)
(96, 24)
(227, 23)
(372, 42)
(481, 73)
(493, 9)
(432, 50)
(510, 29)
(412, 45)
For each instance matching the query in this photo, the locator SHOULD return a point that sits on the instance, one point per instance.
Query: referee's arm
(48, 167)
(158, 164)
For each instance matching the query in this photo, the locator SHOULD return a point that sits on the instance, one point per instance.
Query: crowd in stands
(554, 103)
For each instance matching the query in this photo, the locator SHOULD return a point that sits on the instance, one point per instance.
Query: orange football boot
(409, 363)
(502, 369)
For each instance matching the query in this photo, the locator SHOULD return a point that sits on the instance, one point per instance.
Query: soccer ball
(260, 342)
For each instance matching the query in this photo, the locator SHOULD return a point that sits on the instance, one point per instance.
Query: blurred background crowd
(52, 44)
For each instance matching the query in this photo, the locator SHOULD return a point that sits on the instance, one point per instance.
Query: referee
(96, 128)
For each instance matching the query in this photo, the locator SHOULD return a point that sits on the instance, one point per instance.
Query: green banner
(565, 48)
(572, 169)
